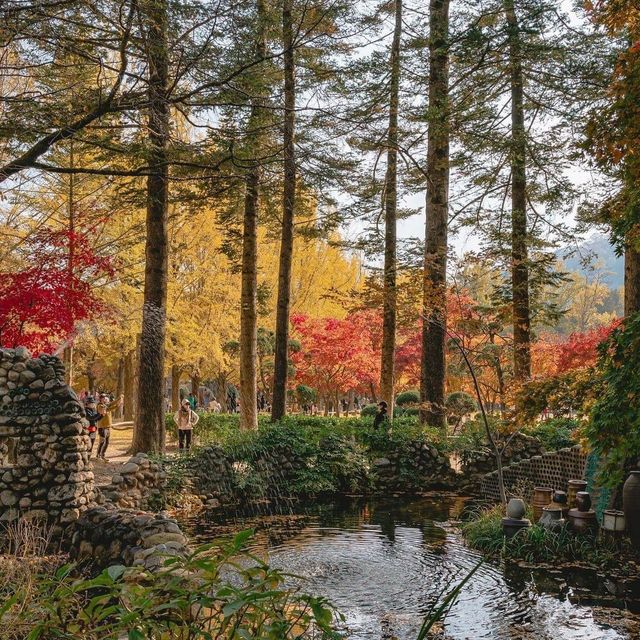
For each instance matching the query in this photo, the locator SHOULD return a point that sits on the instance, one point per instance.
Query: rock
(8, 498)
(163, 538)
(130, 467)
(21, 354)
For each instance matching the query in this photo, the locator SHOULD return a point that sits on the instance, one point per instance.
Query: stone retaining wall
(109, 536)
(41, 421)
(138, 484)
(482, 461)
(417, 466)
(552, 469)
(211, 476)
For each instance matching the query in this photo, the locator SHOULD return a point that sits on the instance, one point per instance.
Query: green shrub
(220, 591)
(459, 404)
(369, 410)
(305, 395)
(407, 397)
(555, 433)
(472, 436)
(310, 455)
(613, 429)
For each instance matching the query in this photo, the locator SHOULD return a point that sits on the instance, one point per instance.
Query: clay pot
(552, 518)
(573, 486)
(583, 522)
(583, 501)
(516, 509)
(631, 507)
(541, 498)
(559, 501)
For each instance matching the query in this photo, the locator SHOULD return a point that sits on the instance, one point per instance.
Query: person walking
(193, 402)
(92, 417)
(105, 409)
(185, 418)
(381, 415)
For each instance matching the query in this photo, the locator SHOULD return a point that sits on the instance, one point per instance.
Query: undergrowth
(534, 544)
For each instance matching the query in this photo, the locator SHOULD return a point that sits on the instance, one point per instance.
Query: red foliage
(338, 355)
(462, 320)
(41, 304)
(580, 349)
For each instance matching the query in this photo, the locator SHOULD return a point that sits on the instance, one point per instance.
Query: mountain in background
(596, 252)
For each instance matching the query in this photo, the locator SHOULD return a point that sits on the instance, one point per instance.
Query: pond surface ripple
(383, 563)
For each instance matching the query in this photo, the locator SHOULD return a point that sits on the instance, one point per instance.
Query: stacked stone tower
(47, 474)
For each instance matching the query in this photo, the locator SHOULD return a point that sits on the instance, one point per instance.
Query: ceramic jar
(541, 498)
(631, 507)
(573, 487)
(583, 501)
(516, 509)
(552, 518)
(559, 501)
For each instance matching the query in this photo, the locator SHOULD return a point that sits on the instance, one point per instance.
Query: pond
(383, 563)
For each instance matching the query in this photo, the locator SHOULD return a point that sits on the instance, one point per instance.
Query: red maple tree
(580, 348)
(338, 355)
(41, 304)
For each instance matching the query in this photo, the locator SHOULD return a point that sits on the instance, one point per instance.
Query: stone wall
(109, 536)
(552, 469)
(211, 476)
(415, 467)
(482, 461)
(138, 484)
(48, 475)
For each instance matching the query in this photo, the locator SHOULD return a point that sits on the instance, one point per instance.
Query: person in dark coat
(381, 415)
(92, 418)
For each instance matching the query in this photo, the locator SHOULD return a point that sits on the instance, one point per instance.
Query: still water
(383, 563)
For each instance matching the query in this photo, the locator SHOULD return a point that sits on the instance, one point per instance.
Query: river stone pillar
(48, 476)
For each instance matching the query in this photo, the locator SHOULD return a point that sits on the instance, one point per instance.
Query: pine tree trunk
(150, 424)
(175, 387)
(433, 365)
(129, 385)
(248, 303)
(195, 387)
(519, 253)
(248, 294)
(281, 364)
(389, 311)
(120, 387)
(221, 395)
(631, 280)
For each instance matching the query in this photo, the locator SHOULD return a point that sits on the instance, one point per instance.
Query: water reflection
(384, 563)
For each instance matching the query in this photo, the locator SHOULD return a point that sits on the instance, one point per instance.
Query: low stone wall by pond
(46, 474)
(415, 467)
(138, 484)
(211, 476)
(481, 462)
(552, 469)
(131, 537)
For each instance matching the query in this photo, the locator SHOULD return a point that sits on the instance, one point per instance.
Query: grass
(534, 545)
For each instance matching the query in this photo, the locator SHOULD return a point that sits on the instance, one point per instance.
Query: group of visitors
(99, 415)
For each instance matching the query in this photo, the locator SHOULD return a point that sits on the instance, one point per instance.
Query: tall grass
(535, 544)
(24, 538)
